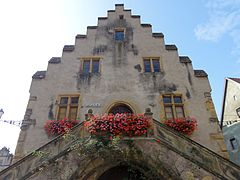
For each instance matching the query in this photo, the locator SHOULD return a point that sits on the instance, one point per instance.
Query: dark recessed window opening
(121, 16)
(90, 66)
(86, 66)
(151, 65)
(120, 108)
(233, 143)
(95, 66)
(147, 65)
(156, 65)
(119, 35)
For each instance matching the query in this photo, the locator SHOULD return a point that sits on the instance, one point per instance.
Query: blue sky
(208, 31)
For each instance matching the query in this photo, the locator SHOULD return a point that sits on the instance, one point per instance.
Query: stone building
(5, 158)
(230, 119)
(120, 65)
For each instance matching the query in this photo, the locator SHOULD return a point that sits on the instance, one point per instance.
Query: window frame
(174, 105)
(68, 106)
(91, 68)
(152, 67)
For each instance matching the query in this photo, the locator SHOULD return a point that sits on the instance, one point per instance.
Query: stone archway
(122, 172)
(120, 108)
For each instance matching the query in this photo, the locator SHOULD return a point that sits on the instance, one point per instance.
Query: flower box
(116, 125)
(183, 125)
(57, 127)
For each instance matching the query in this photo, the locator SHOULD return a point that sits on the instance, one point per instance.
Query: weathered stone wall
(121, 79)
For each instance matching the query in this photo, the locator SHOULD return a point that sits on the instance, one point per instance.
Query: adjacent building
(5, 158)
(230, 119)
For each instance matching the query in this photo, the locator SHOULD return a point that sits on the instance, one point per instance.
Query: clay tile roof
(200, 73)
(235, 79)
(39, 75)
(54, 60)
(185, 59)
(171, 47)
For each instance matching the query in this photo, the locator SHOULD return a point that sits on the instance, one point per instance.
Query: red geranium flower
(182, 125)
(56, 127)
(119, 124)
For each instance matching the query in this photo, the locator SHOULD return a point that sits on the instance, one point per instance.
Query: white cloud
(217, 27)
(224, 19)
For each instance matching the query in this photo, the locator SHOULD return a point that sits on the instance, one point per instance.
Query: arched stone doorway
(120, 108)
(122, 172)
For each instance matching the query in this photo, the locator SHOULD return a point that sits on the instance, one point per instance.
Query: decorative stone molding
(171, 47)
(68, 48)
(39, 75)
(55, 60)
(158, 35)
(184, 59)
(200, 73)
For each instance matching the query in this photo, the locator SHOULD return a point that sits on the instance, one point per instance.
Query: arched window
(120, 108)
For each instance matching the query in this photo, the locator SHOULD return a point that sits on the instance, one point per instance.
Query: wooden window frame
(91, 59)
(68, 105)
(173, 105)
(151, 59)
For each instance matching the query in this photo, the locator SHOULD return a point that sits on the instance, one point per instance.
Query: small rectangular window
(119, 35)
(151, 65)
(156, 65)
(64, 100)
(173, 106)
(62, 112)
(74, 100)
(179, 111)
(86, 66)
(91, 65)
(147, 65)
(177, 99)
(95, 66)
(167, 99)
(73, 113)
(233, 143)
(169, 112)
(68, 107)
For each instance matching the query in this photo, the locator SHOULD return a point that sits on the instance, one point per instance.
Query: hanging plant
(183, 125)
(56, 127)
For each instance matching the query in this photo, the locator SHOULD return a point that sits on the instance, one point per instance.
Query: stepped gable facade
(118, 66)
